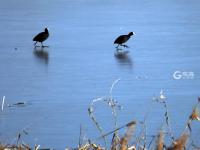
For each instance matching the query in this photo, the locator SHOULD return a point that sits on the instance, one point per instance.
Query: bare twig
(2, 105)
(162, 99)
(91, 114)
(126, 125)
(115, 142)
(143, 132)
(111, 103)
(80, 137)
(193, 116)
(112, 86)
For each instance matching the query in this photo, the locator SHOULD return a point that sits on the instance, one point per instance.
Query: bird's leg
(36, 45)
(118, 49)
(44, 45)
(19, 136)
(125, 46)
(117, 46)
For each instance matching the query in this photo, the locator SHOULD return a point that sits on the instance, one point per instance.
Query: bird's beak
(134, 33)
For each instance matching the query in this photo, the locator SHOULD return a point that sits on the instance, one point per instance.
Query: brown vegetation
(129, 140)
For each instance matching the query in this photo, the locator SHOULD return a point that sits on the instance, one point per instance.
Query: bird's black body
(123, 39)
(41, 36)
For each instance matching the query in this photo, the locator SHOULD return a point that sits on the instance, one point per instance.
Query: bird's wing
(119, 39)
(38, 36)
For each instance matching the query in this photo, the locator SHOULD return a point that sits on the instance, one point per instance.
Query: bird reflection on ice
(41, 54)
(123, 58)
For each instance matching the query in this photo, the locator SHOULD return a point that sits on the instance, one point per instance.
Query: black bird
(41, 37)
(123, 39)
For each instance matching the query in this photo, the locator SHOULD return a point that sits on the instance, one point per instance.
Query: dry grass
(127, 142)
(14, 147)
(160, 141)
(180, 143)
(195, 114)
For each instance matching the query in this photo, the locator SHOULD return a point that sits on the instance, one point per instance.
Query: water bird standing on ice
(123, 39)
(41, 37)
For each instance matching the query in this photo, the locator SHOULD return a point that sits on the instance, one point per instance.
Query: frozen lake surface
(79, 65)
